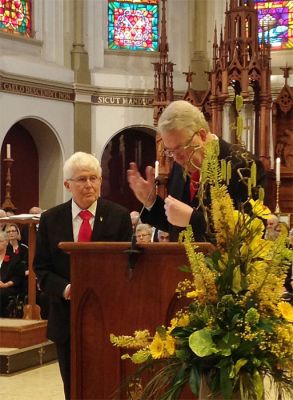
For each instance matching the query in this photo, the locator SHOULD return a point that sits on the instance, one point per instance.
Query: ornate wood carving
(283, 142)
(240, 62)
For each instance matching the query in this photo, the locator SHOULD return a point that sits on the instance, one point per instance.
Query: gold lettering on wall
(29, 90)
(130, 101)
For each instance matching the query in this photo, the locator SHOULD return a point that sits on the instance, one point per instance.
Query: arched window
(133, 25)
(15, 17)
(275, 23)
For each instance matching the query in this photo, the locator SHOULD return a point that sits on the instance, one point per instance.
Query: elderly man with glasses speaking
(185, 134)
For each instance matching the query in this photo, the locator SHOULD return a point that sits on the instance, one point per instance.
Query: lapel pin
(101, 219)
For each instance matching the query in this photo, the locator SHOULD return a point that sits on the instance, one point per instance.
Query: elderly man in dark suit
(86, 217)
(185, 134)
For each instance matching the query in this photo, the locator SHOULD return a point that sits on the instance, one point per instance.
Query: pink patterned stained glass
(275, 23)
(15, 17)
(133, 25)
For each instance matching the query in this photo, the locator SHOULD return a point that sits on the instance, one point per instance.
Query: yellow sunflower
(170, 345)
(286, 310)
(157, 347)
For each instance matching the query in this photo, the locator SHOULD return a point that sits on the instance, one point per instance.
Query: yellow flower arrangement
(237, 329)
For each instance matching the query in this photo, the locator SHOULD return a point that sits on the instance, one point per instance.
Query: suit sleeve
(156, 216)
(49, 268)
(17, 274)
(125, 228)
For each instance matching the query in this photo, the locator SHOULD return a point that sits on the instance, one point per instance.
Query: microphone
(134, 250)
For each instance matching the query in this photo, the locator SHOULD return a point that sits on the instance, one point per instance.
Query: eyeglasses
(172, 153)
(82, 180)
(142, 235)
(11, 231)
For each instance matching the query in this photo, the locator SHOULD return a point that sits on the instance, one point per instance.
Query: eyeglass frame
(143, 234)
(15, 231)
(82, 180)
(171, 153)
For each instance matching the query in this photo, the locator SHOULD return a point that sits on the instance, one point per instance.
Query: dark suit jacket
(52, 265)
(13, 270)
(178, 187)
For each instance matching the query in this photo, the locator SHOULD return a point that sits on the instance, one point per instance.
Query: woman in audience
(15, 246)
(11, 275)
(143, 233)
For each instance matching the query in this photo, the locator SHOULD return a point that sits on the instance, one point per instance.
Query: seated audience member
(163, 236)
(11, 275)
(9, 212)
(2, 215)
(35, 210)
(272, 231)
(135, 220)
(15, 246)
(143, 233)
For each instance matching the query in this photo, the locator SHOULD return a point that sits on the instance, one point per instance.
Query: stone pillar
(199, 62)
(82, 77)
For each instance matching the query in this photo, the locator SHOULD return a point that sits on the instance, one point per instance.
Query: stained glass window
(276, 23)
(15, 17)
(133, 25)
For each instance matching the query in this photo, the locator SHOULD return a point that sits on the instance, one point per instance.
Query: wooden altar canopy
(104, 300)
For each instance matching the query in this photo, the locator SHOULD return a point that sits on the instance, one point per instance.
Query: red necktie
(85, 230)
(194, 179)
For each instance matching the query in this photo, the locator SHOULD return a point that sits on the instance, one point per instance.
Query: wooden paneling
(104, 300)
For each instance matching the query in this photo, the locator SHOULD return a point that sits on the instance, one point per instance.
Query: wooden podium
(104, 300)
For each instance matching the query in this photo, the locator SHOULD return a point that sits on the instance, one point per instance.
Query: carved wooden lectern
(104, 300)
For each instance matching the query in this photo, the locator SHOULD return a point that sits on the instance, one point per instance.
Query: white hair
(144, 227)
(182, 115)
(80, 160)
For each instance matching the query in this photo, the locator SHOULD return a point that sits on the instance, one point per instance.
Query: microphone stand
(134, 250)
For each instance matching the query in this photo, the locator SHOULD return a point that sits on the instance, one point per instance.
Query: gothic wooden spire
(240, 62)
(286, 71)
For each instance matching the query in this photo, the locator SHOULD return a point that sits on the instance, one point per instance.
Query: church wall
(54, 140)
(107, 121)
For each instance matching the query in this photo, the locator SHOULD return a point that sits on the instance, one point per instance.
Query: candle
(278, 172)
(156, 169)
(8, 151)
